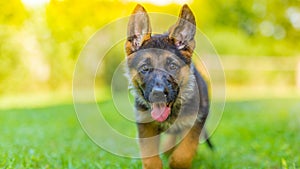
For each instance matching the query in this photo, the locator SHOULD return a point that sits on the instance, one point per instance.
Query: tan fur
(152, 163)
(182, 156)
(184, 75)
(168, 144)
(149, 144)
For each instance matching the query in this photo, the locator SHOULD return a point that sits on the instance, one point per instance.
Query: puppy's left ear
(183, 32)
(138, 30)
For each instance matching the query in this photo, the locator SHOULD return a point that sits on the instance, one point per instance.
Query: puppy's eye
(145, 68)
(173, 66)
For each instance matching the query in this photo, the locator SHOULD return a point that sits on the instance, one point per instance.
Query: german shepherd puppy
(170, 94)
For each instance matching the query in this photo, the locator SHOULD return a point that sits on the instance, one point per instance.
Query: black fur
(162, 41)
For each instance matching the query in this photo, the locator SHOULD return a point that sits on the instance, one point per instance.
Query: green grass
(252, 134)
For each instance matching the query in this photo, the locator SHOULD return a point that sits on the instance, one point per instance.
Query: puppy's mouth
(160, 111)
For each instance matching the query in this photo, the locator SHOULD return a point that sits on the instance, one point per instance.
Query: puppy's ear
(183, 32)
(138, 29)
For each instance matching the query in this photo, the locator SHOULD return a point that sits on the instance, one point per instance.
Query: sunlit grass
(252, 134)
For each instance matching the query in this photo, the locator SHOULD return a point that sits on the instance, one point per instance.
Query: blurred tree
(60, 30)
(12, 12)
(253, 24)
(12, 16)
(71, 23)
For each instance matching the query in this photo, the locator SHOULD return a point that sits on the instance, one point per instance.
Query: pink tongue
(160, 111)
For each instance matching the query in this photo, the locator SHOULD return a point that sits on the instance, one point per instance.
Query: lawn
(252, 134)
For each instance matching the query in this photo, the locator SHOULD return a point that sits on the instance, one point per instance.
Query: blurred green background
(40, 41)
(258, 41)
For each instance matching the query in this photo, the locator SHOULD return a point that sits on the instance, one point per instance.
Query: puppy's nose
(158, 94)
(158, 91)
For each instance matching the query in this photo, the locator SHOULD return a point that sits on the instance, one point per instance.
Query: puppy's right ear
(138, 29)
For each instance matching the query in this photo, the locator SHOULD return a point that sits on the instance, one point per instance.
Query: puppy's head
(159, 65)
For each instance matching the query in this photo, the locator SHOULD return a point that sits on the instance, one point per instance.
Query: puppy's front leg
(183, 155)
(149, 145)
